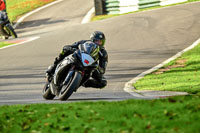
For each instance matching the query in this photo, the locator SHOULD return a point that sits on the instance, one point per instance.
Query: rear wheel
(73, 83)
(46, 92)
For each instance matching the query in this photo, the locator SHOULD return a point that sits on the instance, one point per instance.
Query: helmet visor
(100, 42)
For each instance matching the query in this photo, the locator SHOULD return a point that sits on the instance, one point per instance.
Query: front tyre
(46, 92)
(11, 31)
(71, 86)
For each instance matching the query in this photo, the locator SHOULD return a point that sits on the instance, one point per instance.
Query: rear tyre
(46, 92)
(71, 86)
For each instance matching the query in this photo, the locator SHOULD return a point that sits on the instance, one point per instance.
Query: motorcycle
(6, 29)
(72, 72)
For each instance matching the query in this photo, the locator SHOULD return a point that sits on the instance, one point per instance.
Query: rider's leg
(97, 81)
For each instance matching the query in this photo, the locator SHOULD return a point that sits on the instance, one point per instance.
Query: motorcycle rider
(98, 80)
(3, 5)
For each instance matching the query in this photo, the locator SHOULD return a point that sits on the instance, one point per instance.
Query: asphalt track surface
(135, 43)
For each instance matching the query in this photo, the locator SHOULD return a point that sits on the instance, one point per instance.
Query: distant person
(3, 5)
(5, 23)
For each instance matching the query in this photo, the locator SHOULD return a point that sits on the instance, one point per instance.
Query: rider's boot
(96, 83)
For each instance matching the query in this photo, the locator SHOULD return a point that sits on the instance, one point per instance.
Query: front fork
(71, 73)
(69, 76)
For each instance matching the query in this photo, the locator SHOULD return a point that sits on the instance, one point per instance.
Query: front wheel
(46, 92)
(11, 31)
(73, 83)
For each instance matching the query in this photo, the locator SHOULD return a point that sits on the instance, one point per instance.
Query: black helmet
(98, 37)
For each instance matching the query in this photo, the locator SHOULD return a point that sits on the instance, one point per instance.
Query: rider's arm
(76, 44)
(68, 49)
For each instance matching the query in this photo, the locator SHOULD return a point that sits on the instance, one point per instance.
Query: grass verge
(182, 74)
(3, 44)
(16, 8)
(101, 17)
(174, 115)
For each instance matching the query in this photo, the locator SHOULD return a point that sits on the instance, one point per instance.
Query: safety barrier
(120, 6)
(124, 6)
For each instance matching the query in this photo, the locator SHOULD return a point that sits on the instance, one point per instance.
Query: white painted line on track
(131, 90)
(34, 11)
(88, 16)
(28, 40)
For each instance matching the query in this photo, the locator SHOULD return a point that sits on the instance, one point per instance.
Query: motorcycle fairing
(87, 60)
(62, 66)
(53, 89)
(91, 49)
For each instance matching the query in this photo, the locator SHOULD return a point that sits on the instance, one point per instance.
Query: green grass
(17, 8)
(171, 115)
(101, 17)
(183, 78)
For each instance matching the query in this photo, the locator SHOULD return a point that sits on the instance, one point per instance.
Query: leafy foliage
(174, 115)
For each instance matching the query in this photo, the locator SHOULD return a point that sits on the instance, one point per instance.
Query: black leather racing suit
(98, 80)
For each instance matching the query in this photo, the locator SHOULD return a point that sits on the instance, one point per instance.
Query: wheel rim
(65, 87)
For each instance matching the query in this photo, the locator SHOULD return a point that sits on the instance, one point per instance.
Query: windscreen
(90, 48)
